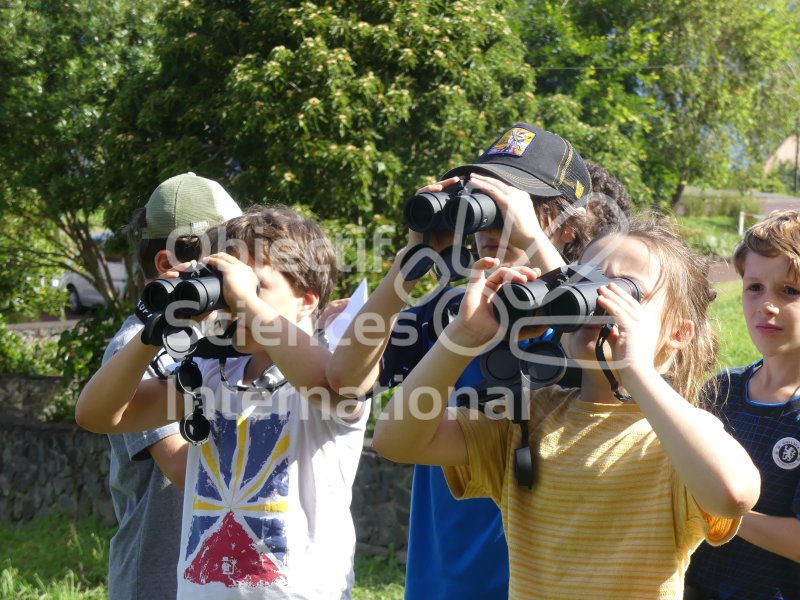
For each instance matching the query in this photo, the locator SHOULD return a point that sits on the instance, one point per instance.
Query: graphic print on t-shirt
(237, 536)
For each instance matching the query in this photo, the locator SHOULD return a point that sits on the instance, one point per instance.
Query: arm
(116, 400)
(416, 426)
(170, 456)
(715, 468)
(355, 365)
(779, 535)
(525, 241)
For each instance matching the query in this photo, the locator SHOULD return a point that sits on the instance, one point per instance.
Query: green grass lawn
(53, 558)
(735, 347)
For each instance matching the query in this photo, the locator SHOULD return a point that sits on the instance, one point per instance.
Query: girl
(625, 490)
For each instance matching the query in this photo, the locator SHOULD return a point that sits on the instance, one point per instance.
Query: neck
(595, 387)
(257, 364)
(776, 381)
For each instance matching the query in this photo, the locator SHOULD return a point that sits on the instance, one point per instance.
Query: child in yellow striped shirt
(625, 491)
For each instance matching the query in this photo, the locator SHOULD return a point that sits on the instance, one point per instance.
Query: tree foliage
(695, 86)
(343, 106)
(61, 62)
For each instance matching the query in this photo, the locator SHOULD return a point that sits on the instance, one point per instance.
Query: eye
(791, 291)
(754, 287)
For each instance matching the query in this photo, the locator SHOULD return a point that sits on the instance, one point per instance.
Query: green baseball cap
(187, 205)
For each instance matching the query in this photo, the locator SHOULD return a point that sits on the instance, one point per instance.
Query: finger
(480, 266)
(439, 185)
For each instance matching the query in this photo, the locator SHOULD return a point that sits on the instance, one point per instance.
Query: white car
(81, 294)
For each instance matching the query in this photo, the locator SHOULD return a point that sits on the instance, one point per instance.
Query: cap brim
(510, 175)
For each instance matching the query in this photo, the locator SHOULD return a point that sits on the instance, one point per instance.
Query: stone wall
(48, 468)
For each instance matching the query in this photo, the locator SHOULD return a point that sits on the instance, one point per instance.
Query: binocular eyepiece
(453, 209)
(564, 299)
(193, 293)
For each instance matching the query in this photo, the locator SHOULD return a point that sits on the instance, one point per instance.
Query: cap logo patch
(514, 142)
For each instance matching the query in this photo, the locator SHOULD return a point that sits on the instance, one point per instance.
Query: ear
(308, 304)
(163, 261)
(681, 335)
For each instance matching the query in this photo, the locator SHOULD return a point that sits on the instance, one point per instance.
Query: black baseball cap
(533, 160)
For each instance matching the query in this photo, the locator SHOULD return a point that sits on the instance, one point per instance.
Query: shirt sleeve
(487, 441)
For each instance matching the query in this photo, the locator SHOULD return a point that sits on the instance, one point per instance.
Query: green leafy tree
(344, 107)
(694, 86)
(61, 63)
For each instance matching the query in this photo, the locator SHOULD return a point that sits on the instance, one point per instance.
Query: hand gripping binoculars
(453, 209)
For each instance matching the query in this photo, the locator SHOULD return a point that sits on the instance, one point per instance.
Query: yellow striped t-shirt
(607, 517)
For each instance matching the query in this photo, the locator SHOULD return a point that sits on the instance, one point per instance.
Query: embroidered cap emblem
(514, 142)
(786, 453)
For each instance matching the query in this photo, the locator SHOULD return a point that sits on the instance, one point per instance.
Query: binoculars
(453, 209)
(563, 299)
(193, 293)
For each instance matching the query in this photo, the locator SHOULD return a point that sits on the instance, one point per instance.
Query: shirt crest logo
(786, 453)
(514, 142)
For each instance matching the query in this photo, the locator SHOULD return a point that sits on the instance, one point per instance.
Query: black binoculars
(563, 299)
(453, 209)
(195, 292)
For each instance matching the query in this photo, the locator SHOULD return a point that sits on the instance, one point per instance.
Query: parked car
(81, 294)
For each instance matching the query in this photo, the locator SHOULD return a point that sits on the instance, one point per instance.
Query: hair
(185, 248)
(288, 242)
(609, 204)
(777, 235)
(558, 212)
(688, 293)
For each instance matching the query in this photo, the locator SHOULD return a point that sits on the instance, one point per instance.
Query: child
(759, 406)
(538, 181)
(625, 491)
(266, 509)
(143, 553)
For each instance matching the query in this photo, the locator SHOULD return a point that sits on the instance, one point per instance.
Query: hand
(636, 333)
(239, 281)
(519, 216)
(438, 240)
(476, 326)
(330, 312)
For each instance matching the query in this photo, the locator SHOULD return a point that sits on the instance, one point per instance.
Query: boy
(143, 553)
(760, 407)
(538, 181)
(266, 508)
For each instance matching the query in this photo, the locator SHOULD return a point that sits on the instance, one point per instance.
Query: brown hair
(684, 278)
(558, 213)
(185, 248)
(608, 204)
(777, 235)
(285, 240)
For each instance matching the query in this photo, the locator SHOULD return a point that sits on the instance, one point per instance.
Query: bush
(21, 359)
(716, 205)
(80, 353)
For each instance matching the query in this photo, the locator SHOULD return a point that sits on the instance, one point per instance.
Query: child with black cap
(540, 185)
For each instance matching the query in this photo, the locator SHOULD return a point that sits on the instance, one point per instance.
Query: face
(771, 304)
(619, 256)
(276, 290)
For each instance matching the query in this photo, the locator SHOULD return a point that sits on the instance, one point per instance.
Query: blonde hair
(777, 235)
(688, 293)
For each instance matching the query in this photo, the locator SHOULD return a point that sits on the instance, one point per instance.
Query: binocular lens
(203, 293)
(475, 211)
(423, 211)
(572, 305)
(157, 294)
(520, 300)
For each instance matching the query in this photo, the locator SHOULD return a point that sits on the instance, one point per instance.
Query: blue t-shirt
(456, 548)
(771, 435)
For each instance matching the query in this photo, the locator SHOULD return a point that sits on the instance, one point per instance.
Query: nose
(769, 308)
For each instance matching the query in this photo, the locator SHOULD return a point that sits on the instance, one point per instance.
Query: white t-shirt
(266, 511)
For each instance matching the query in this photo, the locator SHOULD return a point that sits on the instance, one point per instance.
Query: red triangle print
(229, 556)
